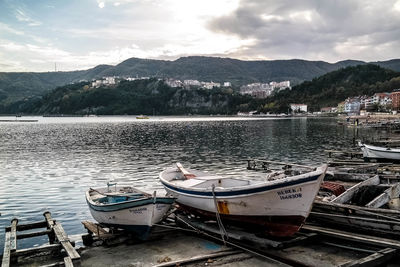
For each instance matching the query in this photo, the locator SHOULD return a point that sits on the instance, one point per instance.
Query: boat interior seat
(189, 182)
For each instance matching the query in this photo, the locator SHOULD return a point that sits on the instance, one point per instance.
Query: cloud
(23, 17)
(313, 29)
(101, 4)
(9, 29)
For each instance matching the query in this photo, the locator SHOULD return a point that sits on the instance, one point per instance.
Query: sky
(44, 35)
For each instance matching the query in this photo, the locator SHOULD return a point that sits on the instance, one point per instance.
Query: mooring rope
(194, 229)
(222, 229)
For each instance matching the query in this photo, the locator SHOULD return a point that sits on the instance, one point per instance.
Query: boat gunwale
(129, 203)
(381, 149)
(245, 190)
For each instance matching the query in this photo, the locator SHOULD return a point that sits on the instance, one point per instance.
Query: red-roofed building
(395, 96)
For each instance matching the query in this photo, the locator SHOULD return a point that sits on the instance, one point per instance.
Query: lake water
(49, 164)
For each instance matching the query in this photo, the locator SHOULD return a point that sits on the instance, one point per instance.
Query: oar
(185, 173)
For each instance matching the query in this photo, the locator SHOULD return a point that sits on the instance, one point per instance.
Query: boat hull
(374, 152)
(280, 207)
(280, 226)
(135, 216)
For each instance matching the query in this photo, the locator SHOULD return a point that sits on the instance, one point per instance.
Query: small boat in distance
(142, 117)
(127, 207)
(380, 153)
(279, 203)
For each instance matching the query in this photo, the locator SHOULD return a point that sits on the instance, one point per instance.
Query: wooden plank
(6, 254)
(50, 224)
(28, 235)
(70, 250)
(68, 262)
(199, 258)
(29, 226)
(37, 250)
(346, 196)
(13, 235)
(375, 259)
(60, 233)
(353, 209)
(56, 264)
(49, 219)
(96, 229)
(380, 242)
(385, 197)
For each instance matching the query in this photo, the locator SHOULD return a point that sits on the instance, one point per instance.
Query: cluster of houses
(112, 81)
(384, 102)
(195, 83)
(263, 90)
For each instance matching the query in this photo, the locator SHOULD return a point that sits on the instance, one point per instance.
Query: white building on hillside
(192, 82)
(298, 108)
(210, 85)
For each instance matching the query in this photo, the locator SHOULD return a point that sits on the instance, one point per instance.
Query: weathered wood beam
(346, 196)
(29, 235)
(375, 259)
(61, 235)
(7, 253)
(377, 241)
(13, 235)
(71, 252)
(50, 224)
(96, 229)
(49, 219)
(29, 226)
(37, 250)
(199, 258)
(68, 262)
(56, 264)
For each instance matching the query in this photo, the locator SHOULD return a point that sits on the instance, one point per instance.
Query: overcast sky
(80, 34)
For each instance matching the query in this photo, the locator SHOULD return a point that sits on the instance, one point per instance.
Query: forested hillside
(16, 86)
(130, 97)
(153, 96)
(336, 86)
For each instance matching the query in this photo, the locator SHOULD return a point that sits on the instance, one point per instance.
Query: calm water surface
(49, 164)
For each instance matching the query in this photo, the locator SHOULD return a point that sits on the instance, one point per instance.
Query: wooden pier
(59, 243)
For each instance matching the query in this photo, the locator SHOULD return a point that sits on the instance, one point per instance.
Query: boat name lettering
(160, 206)
(290, 193)
(138, 210)
(298, 195)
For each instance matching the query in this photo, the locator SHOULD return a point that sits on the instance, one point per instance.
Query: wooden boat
(377, 152)
(370, 206)
(127, 208)
(278, 204)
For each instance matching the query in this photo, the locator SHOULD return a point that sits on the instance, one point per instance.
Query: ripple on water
(49, 165)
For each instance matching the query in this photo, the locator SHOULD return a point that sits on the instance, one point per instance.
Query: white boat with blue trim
(279, 205)
(128, 208)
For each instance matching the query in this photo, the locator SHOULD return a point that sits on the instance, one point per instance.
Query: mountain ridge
(19, 85)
